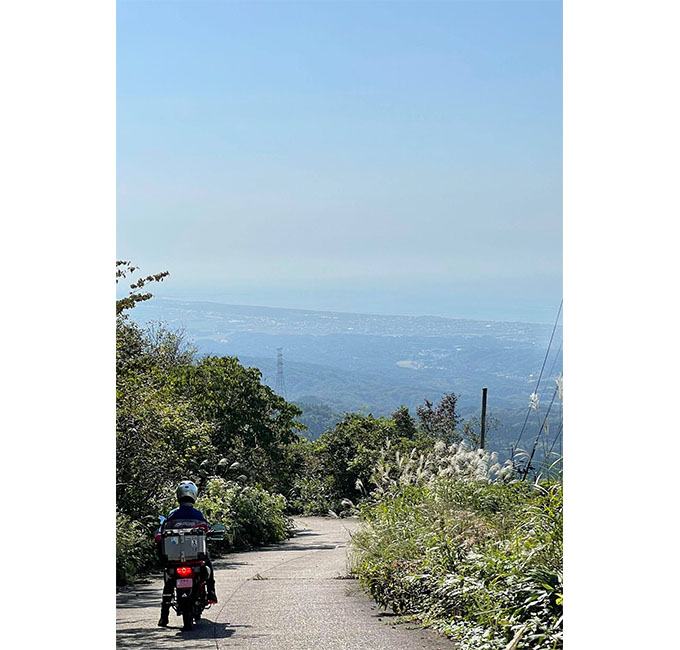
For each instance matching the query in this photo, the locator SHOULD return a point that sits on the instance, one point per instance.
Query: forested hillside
(383, 362)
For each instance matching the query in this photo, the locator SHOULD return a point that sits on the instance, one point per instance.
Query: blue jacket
(186, 512)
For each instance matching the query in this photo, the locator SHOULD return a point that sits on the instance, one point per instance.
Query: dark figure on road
(186, 516)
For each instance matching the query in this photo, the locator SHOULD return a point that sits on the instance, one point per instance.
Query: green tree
(250, 423)
(159, 438)
(404, 424)
(349, 452)
(441, 421)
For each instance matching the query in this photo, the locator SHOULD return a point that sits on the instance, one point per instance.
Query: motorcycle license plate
(185, 583)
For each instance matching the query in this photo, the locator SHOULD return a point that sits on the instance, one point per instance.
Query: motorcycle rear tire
(187, 620)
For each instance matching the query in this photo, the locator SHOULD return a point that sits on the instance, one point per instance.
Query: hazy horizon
(547, 316)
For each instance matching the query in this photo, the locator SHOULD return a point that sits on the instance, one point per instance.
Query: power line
(559, 431)
(547, 352)
(557, 356)
(533, 450)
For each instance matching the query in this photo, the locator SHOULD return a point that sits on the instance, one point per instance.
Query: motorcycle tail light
(184, 571)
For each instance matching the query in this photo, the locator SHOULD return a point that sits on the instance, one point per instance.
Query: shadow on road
(147, 596)
(142, 637)
(292, 545)
(305, 532)
(207, 629)
(225, 563)
(298, 547)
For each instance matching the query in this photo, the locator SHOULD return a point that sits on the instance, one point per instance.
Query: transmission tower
(280, 388)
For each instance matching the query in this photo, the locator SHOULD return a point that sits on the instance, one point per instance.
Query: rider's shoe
(212, 597)
(163, 620)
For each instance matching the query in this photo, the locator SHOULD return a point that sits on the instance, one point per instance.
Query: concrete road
(289, 596)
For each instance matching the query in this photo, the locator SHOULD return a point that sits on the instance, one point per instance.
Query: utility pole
(483, 435)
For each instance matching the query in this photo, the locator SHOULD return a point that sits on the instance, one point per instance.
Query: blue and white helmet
(186, 491)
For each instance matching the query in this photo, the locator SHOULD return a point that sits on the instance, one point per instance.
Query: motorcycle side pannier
(180, 545)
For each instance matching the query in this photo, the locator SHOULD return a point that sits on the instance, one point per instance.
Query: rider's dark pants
(210, 582)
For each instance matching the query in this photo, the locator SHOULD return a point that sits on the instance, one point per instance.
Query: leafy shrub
(252, 515)
(134, 548)
(313, 495)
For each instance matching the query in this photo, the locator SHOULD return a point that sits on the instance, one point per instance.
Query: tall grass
(453, 541)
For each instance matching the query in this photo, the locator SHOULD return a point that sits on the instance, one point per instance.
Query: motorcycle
(184, 553)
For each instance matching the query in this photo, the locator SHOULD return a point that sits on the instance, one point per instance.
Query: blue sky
(386, 157)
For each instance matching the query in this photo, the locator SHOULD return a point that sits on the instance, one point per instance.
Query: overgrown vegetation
(336, 468)
(251, 514)
(450, 538)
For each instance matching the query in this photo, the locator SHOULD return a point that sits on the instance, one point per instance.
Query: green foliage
(134, 548)
(160, 438)
(251, 424)
(335, 470)
(348, 453)
(340, 462)
(404, 424)
(252, 515)
(179, 417)
(314, 495)
(472, 429)
(125, 268)
(479, 560)
(441, 421)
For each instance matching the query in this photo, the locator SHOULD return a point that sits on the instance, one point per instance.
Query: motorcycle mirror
(219, 528)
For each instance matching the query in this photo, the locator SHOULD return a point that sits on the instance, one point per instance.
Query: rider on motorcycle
(185, 516)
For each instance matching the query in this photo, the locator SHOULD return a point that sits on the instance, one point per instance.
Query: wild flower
(533, 401)
(559, 381)
(457, 461)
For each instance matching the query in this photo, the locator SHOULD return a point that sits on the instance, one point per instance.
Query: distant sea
(488, 307)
